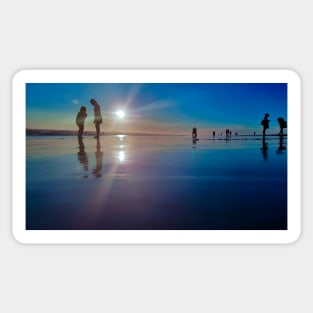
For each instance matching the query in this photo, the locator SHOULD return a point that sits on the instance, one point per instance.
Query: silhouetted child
(265, 123)
(282, 124)
(80, 120)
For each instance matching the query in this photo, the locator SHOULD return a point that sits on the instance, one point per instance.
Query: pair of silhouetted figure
(265, 123)
(81, 116)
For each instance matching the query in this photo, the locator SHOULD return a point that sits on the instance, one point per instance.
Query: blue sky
(158, 108)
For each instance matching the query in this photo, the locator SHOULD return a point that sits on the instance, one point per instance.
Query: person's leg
(80, 131)
(97, 130)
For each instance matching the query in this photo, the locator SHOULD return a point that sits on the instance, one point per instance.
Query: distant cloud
(74, 101)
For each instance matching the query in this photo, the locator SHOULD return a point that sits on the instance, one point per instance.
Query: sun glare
(121, 156)
(120, 113)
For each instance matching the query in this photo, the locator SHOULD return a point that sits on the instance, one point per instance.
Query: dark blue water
(156, 182)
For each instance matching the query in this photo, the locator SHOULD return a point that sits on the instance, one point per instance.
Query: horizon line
(44, 131)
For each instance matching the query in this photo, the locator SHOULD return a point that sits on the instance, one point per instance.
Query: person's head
(93, 101)
(83, 109)
(267, 115)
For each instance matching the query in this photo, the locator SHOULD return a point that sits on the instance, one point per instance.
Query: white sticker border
(151, 236)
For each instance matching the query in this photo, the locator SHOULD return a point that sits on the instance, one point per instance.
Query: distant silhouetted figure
(98, 116)
(80, 120)
(227, 134)
(194, 133)
(282, 124)
(253, 133)
(265, 123)
(214, 134)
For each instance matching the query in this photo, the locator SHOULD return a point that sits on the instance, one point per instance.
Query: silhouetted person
(282, 124)
(213, 134)
(80, 120)
(227, 134)
(253, 133)
(98, 116)
(99, 158)
(194, 133)
(265, 123)
(82, 156)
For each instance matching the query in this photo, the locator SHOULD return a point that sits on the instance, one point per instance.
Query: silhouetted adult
(265, 123)
(282, 124)
(98, 117)
(213, 134)
(194, 133)
(80, 120)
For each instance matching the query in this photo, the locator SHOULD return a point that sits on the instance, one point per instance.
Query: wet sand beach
(156, 182)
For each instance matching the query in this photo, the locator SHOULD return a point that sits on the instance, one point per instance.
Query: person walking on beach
(265, 123)
(80, 120)
(98, 116)
(194, 133)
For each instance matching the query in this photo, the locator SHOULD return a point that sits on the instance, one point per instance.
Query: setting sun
(120, 113)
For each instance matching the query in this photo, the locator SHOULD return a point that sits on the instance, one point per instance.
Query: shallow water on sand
(156, 182)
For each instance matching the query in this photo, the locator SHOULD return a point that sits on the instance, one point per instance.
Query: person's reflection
(99, 157)
(264, 149)
(194, 142)
(82, 156)
(281, 146)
